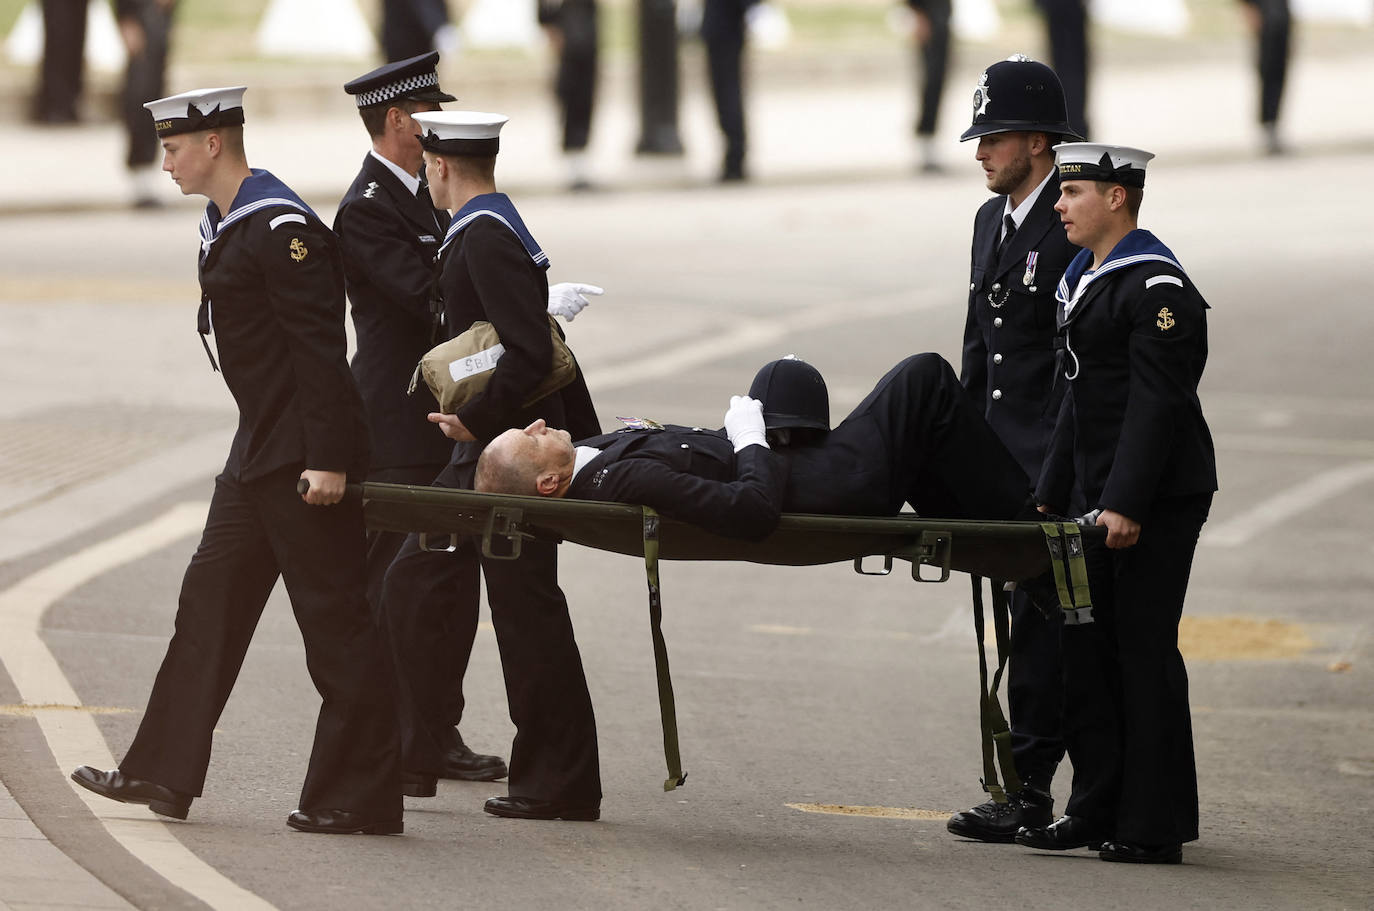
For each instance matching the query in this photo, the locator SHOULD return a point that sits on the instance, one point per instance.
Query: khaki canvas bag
(459, 369)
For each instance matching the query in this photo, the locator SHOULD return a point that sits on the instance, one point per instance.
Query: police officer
(492, 269)
(389, 231)
(1019, 254)
(272, 292)
(1131, 433)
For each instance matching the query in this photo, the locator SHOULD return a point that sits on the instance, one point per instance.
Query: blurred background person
(1066, 25)
(572, 29)
(1272, 25)
(931, 36)
(723, 30)
(60, 74)
(414, 27)
(146, 27)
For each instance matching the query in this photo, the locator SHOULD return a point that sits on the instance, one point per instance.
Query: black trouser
(916, 438)
(1274, 34)
(145, 80)
(725, 64)
(255, 532)
(431, 598)
(1126, 717)
(932, 65)
(1066, 22)
(408, 26)
(1035, 692)
(576, 84)
(60, 74)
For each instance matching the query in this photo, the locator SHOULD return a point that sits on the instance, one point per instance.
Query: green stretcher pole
(666, 704)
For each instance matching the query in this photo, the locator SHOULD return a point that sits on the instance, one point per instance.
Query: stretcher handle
(352, 492)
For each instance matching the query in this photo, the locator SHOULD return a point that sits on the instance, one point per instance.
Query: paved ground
(111, 421)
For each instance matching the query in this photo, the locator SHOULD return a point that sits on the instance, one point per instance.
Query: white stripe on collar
(457, 226)
(1062, 295)
(207, 239)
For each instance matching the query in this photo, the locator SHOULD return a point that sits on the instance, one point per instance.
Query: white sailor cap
(461, 132)
(1097, 161)
(202, 109)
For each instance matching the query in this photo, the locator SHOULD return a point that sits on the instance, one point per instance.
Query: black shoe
(529, 808)
(999, 822)
(343, 822)
(1064, 834)
(1124, 853)
(418, 784)
(465, 765)
(115, 785)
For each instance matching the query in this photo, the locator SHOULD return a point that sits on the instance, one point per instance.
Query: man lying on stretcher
(916, 438)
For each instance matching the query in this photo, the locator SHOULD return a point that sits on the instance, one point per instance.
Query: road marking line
(839, 809)
(1242, 529)
(73, 736)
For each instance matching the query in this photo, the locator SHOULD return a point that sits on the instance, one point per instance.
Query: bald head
(537, 461)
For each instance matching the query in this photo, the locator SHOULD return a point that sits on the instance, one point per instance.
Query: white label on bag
(477, 363)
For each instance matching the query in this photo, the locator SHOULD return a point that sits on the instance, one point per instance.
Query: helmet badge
(980, 96)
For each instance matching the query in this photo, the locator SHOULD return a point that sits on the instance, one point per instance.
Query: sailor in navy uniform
(492, 269)
(1019, 254)
(273, 295)
(1131, 434)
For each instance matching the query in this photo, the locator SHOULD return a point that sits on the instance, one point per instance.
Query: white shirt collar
(1019, 214)
(411, 181)
(584, 455)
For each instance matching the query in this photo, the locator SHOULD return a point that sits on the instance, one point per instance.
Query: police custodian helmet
(793, 394)
(1019, 95)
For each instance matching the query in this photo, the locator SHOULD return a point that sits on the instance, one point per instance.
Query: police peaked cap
(1019, 95)
(415, 79)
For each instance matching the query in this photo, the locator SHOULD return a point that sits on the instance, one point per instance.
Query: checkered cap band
(398, 89)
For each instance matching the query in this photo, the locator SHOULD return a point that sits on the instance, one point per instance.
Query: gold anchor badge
(298, 250)
(1166, 319)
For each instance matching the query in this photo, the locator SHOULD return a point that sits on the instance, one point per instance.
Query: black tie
(1006, 238)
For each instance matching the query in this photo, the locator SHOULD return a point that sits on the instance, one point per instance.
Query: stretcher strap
(1082, 610)
(996, 733)
(666, 705)
(1056, 546)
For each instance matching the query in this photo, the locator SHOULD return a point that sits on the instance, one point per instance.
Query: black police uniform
(488, 273)
(272, 288)
(1131, 432)
(723, 32)
(1008, 370)
(575, 85)
(914, 439)
(389, 237)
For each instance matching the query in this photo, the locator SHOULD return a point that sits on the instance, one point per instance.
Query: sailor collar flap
(499, 207)
(260, 191)
(1135, 248)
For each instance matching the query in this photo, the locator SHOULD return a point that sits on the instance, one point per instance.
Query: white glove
(744, 422)
(566, 299)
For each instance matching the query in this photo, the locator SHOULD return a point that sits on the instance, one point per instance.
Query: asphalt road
(795, 686)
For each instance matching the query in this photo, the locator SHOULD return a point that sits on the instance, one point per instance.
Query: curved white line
(73, 736)
(1257, 520)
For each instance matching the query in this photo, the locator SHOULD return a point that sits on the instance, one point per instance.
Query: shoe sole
(160, 807)
(390, 827)
(591, 816)
(420, 790)
(1091, 846)
(992, 838)
(495, 773)
(1118, 859)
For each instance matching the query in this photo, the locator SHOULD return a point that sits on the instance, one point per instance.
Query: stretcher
(1003, 551)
